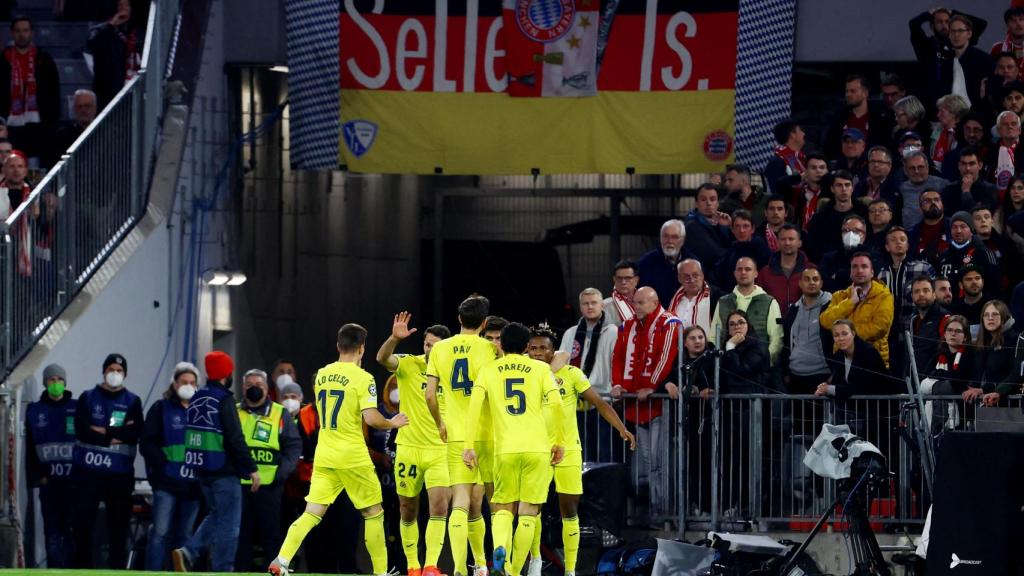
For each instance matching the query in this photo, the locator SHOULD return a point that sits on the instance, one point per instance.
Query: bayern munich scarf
(24, 103)
(700, 312)
(794, 160)
(623, 306)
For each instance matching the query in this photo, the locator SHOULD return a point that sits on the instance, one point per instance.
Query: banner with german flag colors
(537, 86)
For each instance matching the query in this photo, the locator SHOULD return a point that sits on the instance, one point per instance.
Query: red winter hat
(219, 365)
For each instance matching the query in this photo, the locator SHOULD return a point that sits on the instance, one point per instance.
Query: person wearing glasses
(618, 308)
(997, 357)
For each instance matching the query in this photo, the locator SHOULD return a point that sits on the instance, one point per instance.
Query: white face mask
(393, 396)
(283, 380)
(186, 392)
(290, 404)
(851, 239)
(114, 379)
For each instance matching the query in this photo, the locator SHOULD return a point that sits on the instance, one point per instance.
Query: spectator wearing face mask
(835, 264)
(108, 423)
(275, 446)
(48, 447)
(175, 490)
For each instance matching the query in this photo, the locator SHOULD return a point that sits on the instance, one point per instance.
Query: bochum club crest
(545, 20)
(359, 136)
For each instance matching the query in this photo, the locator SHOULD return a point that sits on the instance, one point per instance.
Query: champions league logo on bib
(545, 20)
(359, 136)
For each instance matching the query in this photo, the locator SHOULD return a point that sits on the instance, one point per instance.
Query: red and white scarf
(771, 238)
(22, 229)
(24, 102)
(132, 60)
(811, 205)
(623, 306)
(943, 362)
(699, 312)
(794, 160)
(945, 143)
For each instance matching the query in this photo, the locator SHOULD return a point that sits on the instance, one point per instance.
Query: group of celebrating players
(494, 416)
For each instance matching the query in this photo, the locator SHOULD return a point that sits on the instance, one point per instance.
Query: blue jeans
(173, 519)
(218, 533)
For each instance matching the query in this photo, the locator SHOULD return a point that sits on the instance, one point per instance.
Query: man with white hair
(695, 300)
(590, 344)
(658, 267)
(916, 165)
(1005, 158)
(84, 109)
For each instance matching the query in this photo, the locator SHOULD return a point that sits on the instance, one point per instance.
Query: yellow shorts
(458, 472)
(415, 467)
(361, 484)
(569, 474)
(485, 460)
(522, 477)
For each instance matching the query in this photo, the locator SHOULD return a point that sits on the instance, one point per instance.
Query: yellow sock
(501, 530)
(373, 537)
(522, 541)
(477, 531)
(535, 549)
(435, 539)
(571, 541)
(458, 533)
(411, 543)
(296, 534)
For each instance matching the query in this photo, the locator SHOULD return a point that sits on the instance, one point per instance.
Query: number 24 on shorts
(402, 470)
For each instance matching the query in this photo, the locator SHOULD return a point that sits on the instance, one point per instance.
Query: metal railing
(750, 474)
(55, 240)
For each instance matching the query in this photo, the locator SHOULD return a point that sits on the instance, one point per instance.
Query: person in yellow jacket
(275, 446)
(867, 303)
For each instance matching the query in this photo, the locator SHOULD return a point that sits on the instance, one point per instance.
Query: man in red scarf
(644, 362)
(29, 90)
(1014, 40)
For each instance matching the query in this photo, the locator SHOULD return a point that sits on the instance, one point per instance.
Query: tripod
(853, 497)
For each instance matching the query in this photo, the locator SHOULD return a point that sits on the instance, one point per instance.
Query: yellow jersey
(516, 388)
(572, 382)
(421, 431)
(341, 391)
(455, 362)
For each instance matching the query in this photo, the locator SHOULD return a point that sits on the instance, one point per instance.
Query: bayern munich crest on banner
(545, 20)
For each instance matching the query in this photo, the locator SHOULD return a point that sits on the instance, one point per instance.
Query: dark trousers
(57, 501)
(601, 443)
(261, 524)
(115, 492)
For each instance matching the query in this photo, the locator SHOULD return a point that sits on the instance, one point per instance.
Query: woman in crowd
(699, 362)
(699, 372)
(949, 371)
(857, 367)
(951, 108)
(745, 363)
(951, 368)
(175, 490)
(996, 371)
(910, 117)
(1009, 216)
(743, 370)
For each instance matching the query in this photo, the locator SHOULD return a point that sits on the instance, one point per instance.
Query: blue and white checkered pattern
(764, 72)
(545, 14)
(312, 27)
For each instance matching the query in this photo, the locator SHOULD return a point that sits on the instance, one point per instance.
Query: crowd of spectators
(34, 122)
(906, 223)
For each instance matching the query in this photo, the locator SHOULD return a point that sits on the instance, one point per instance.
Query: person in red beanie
(215, 448)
